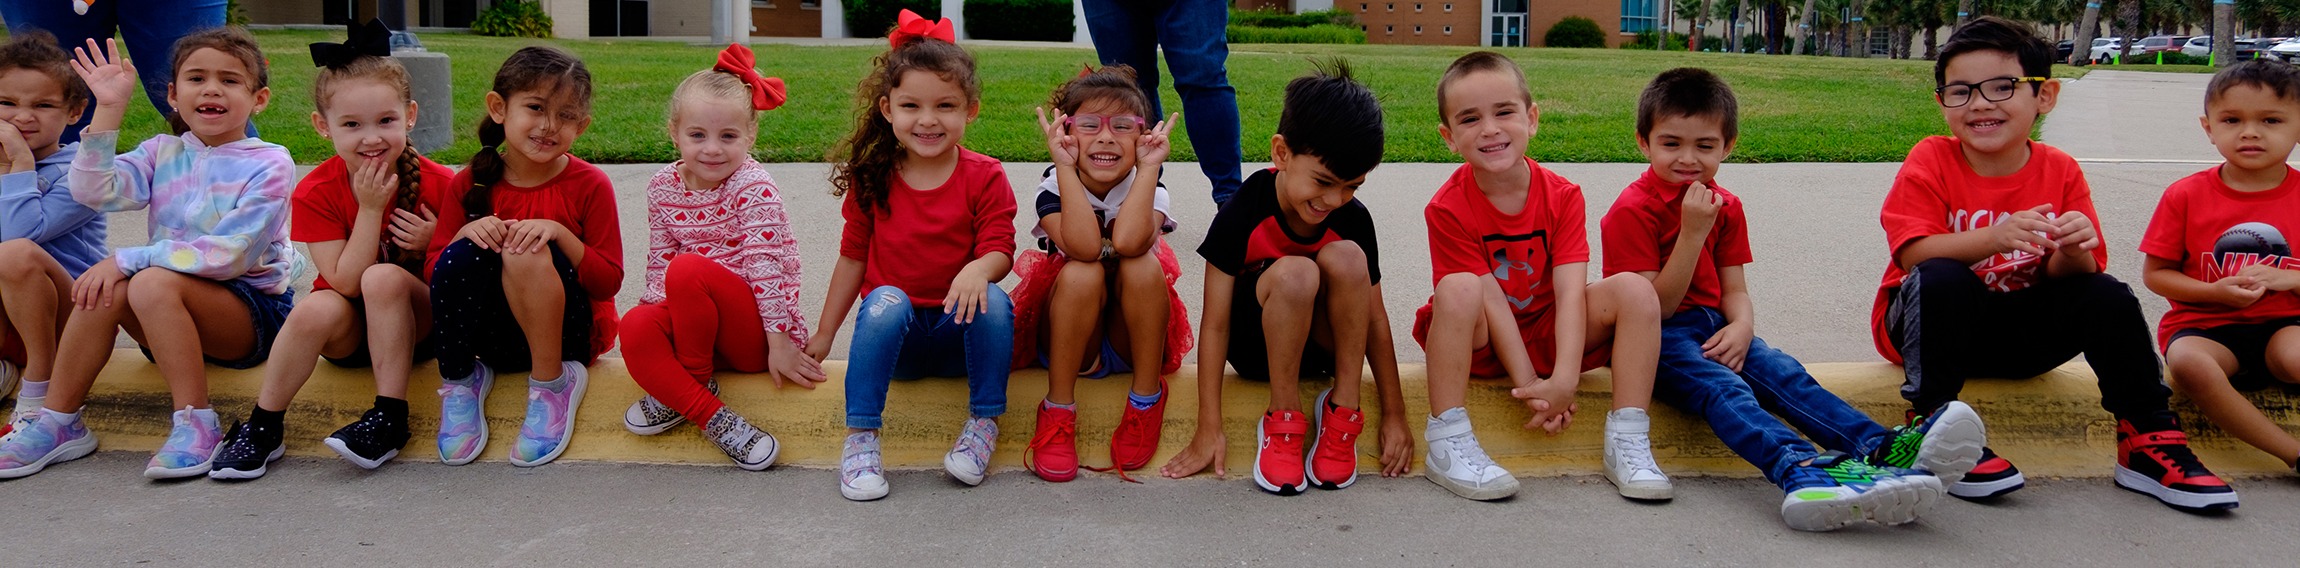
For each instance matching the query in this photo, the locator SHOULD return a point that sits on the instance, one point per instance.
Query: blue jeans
(894, 340)
(150, 29)
(1196, 39)
(1740, 407)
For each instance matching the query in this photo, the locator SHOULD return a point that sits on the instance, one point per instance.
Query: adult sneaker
(860, 475)
(368, 442)
(1053, 452)
(247, 453)
(649, 417)
(1837, 490)
(1946, 443)
(1334, 452)
(1136, 439)
(463, 415)
(1457, 463)
(550, 422)
(191, 447)
(2159, 464)
(1629, 460)
(1990, 478)
(41, 438)
(751, 448)
(969, 457)
(1278, 461)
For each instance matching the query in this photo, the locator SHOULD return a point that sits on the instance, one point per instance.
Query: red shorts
(1540, 337)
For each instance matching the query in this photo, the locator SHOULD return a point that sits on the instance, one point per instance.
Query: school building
(1493, 23)
(569, 18)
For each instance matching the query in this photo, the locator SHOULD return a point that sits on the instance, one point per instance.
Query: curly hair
(866, 161)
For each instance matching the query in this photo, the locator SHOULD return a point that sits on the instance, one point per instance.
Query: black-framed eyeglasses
(1996, 90)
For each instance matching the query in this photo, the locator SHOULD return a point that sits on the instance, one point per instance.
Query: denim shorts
(268, 311)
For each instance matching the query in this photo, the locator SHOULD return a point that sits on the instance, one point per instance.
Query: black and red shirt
(1250, 232)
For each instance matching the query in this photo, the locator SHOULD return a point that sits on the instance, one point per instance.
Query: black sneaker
(1993, 477)
(373, 439)
(247, 452)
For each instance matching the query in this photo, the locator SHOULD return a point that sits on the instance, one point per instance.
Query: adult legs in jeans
(1949, 327)
(1193, 33)
(1692, 381)
(150, 30)
(892, 339)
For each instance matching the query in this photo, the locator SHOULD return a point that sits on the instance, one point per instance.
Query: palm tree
(1807, 23)
(2082, 48)
(2128, 12)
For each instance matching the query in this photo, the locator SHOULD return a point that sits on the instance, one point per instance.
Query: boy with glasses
(1997, 268)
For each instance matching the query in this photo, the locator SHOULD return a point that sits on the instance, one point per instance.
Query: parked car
(2199, 46)
(2288, 50)
(2255, 47)
(2105, 49)
(2153, 44)
(2063, 49)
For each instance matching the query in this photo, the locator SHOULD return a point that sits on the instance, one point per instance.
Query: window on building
(762, 3)
(1449, 30)
(1640, 15)
(1509, 6)
(1389, 29)
(1417, 7)
(1417, 30)
(1449, 7)
(810, 4)
(1361, 7)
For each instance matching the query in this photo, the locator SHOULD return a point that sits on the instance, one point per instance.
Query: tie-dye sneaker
(42, 437)
(191, 446)
(860, 475)
(463, 416)
(969, 457)
(550, 416)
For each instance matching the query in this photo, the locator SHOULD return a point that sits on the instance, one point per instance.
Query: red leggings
(707, 321)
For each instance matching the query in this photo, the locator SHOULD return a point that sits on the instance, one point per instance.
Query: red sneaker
(1137, 437)
(1053, 453)
(1278, 464)
(2159, 464)
(1334, 456)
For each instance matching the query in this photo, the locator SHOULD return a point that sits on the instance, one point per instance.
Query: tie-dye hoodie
(217, 212)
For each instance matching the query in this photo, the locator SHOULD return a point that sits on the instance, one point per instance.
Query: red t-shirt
(923, 237)
(1938, 193)
(580, 197)
(2215, 231)
(1642, 228)
(1468, 235)
(323, 207)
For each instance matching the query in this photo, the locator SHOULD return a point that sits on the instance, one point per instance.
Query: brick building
(570, 18)
(1500, 23)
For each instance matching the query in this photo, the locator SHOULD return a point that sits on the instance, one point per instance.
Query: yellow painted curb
(2050, 425)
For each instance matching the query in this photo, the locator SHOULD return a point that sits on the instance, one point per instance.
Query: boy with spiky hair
(1293, 289)
(1997, 270)
(1676, 227)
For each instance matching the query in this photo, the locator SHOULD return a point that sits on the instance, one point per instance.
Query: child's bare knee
(1342, 257)
(154, 287)
(319, 313)
(19, 258)
(1458, 294)
(1291, 277)
(1633, 295)
(528, 265)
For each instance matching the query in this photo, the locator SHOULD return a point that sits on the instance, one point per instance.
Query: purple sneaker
(463, 416)
(550, 417)
(969, 457)
(191, 446)
(42, 437)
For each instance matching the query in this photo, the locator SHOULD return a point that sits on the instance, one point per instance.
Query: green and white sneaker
(1838, 490)
(1948, 443)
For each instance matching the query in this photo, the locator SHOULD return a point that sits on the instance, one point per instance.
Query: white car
(2106, 48)
(2199, 46)
(2287, 51)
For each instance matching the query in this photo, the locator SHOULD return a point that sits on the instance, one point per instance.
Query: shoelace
(1128, 422)
(2171, 449)
(1046, 437)
(1467, 450)
(738, 442)
(1637, 453)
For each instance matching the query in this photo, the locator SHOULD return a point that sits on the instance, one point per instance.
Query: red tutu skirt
(1037, 269)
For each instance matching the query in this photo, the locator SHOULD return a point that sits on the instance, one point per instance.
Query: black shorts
(2249, 341)
(1249, 352)
(359, 356)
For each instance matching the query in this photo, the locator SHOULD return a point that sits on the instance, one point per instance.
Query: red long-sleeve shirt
(580, 197)
(923, 237)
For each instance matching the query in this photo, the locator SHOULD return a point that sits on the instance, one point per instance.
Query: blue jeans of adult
(149, 27)
(1195, 36)
(1741, 407)
(894, 340)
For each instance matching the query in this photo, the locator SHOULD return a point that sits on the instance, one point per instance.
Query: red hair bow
(766, 92)
(909, 25)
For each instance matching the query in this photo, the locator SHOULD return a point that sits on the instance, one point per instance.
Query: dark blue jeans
(1194, 34)
(150, 29)
(894, 340)
(1740, 407)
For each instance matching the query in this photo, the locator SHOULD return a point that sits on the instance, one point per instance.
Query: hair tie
(370, 39)
(1085, 69)
(908, 25)
(766, 92)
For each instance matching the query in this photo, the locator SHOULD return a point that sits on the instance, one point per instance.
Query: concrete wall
(786, 19)
(289, 11)
(679, 17)
(570, 19)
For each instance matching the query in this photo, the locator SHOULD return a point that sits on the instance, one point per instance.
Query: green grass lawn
(1792, 108)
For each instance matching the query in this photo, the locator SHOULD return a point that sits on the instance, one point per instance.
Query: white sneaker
(860, 476)
(1457, 463)
(969, 457)
(1629, 456)
(649, 417)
